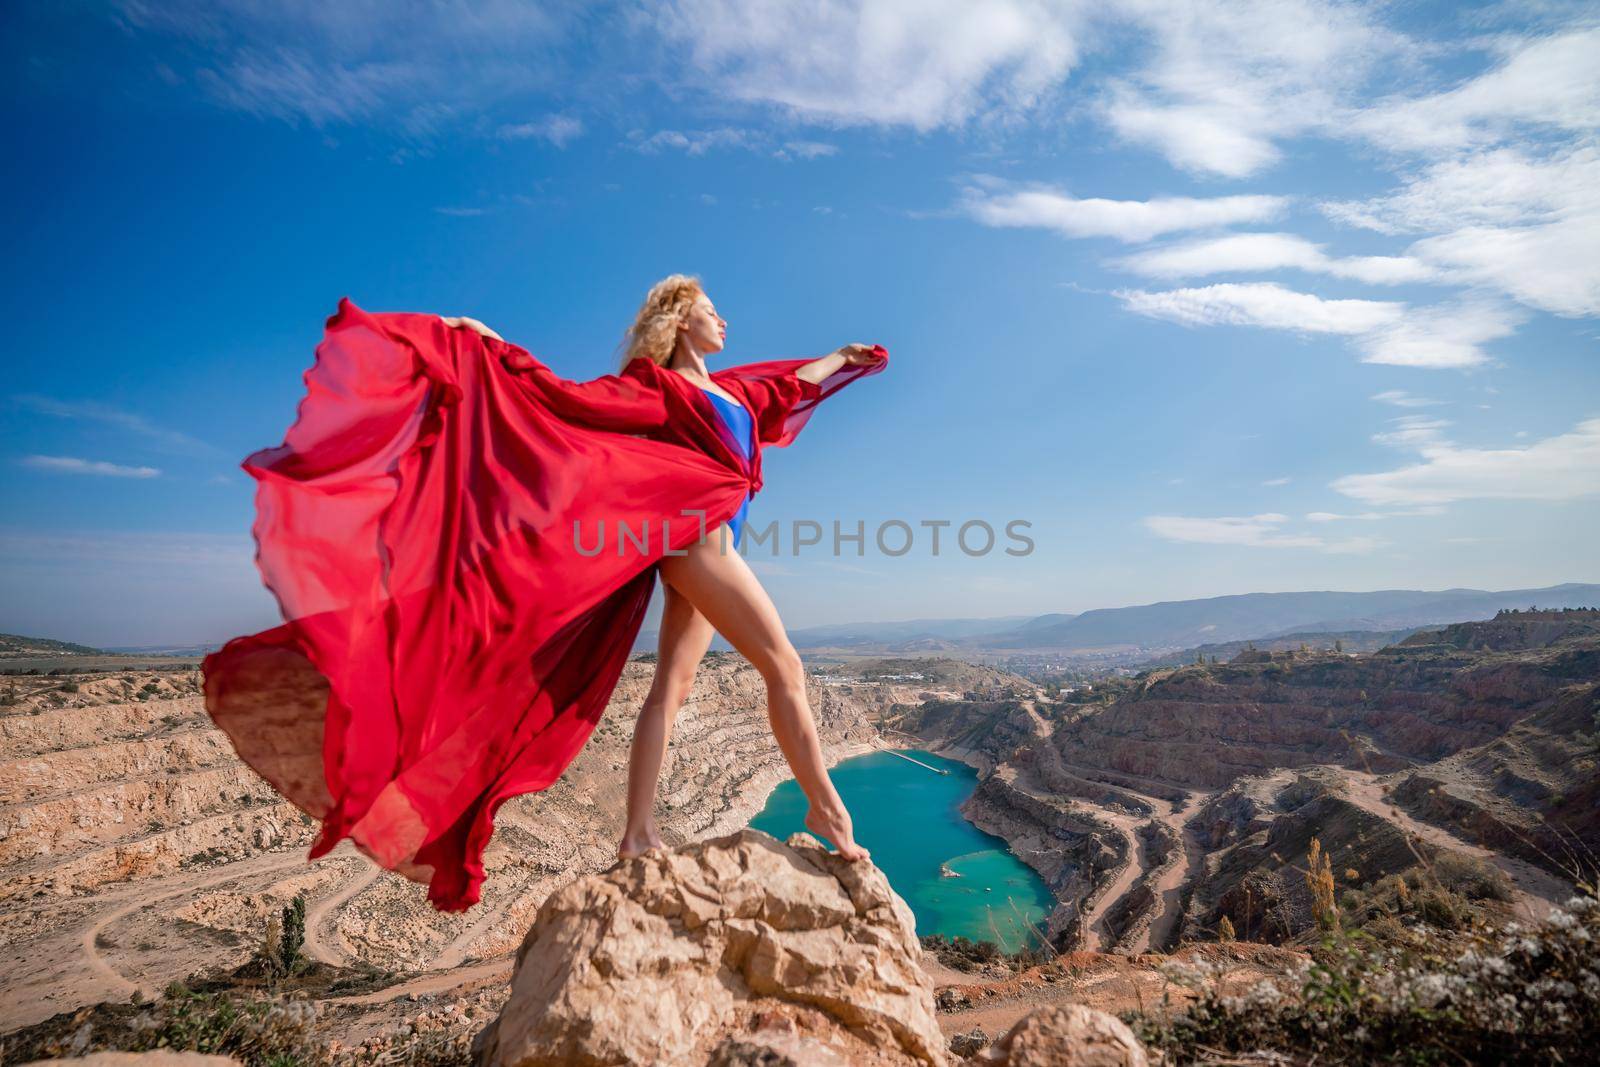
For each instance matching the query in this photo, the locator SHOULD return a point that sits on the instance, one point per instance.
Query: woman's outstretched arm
(782, 392)
(818, 370)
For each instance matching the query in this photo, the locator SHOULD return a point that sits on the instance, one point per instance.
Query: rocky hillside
(1167, 813)
(136, 848)
(1161, 805)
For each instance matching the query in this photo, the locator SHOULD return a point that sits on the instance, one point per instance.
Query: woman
(463, 546)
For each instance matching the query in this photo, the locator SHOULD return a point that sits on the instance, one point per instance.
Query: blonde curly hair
(654, 333)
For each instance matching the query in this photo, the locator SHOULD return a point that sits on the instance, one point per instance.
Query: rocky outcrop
(1511, 631)
(1066, 1035)
(740, 949)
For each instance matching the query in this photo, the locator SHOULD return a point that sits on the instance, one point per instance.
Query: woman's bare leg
(727, 593)
(685, 636)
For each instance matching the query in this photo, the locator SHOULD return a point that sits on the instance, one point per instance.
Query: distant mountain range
(1183, 624)
(1160, 628)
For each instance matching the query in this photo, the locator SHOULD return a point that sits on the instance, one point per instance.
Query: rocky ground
(136, 850)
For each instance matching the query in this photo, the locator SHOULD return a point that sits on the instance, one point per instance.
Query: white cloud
(1383, 331)
(1329, 516)
(1495, 187)
(1254, 531)
(1402, 399)
(1440, 337)
(1277, 481)
(1563, 467)
(1226, 80)
(1553, 268)
(1544, 82)
(1263, 304)
(925, 65)
(995, 202)
(1525, 225)
(1413, 431)
(1258, 252)
(74, 465)
(557, 129)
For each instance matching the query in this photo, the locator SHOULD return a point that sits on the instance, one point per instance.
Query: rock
(161, 1058)
(969, 1043)
(1066, 1035)
(738, 949)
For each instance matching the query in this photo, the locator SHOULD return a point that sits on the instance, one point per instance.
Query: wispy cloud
(409, 67)
(1413, 431)
(75, 548)
(1541, 82)
(997, 202)
(1258, 252)
(806, 150)
(749, 139)
(1263, 304)
(1383, 331)
(922, 65)
(1223, 83)
(1563, 467)
(559, 130)
(158, 437)
(1402, 399)
(74, 465)
(1441, 337)
(1330, 516)
(1252, 531)
(1526, 225)
(691, 142)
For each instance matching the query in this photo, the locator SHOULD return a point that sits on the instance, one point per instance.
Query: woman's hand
(854, 355)
(462, 320)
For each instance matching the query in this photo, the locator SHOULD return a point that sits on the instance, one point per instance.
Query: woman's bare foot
(634, 843)
(835, 826)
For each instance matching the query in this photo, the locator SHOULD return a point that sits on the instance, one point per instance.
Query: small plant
(1319, 878)
(294, 934)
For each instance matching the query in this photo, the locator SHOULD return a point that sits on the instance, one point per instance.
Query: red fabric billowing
(449, 641)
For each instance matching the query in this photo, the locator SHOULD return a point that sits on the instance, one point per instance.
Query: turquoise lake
(907, 817)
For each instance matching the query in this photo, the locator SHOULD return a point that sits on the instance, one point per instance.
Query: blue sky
(1218, 297)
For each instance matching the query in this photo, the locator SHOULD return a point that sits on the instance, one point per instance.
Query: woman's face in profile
(706, 329)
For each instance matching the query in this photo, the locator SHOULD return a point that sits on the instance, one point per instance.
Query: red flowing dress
(463, 545)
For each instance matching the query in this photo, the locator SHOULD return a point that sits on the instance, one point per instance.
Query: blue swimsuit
(737, 418)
